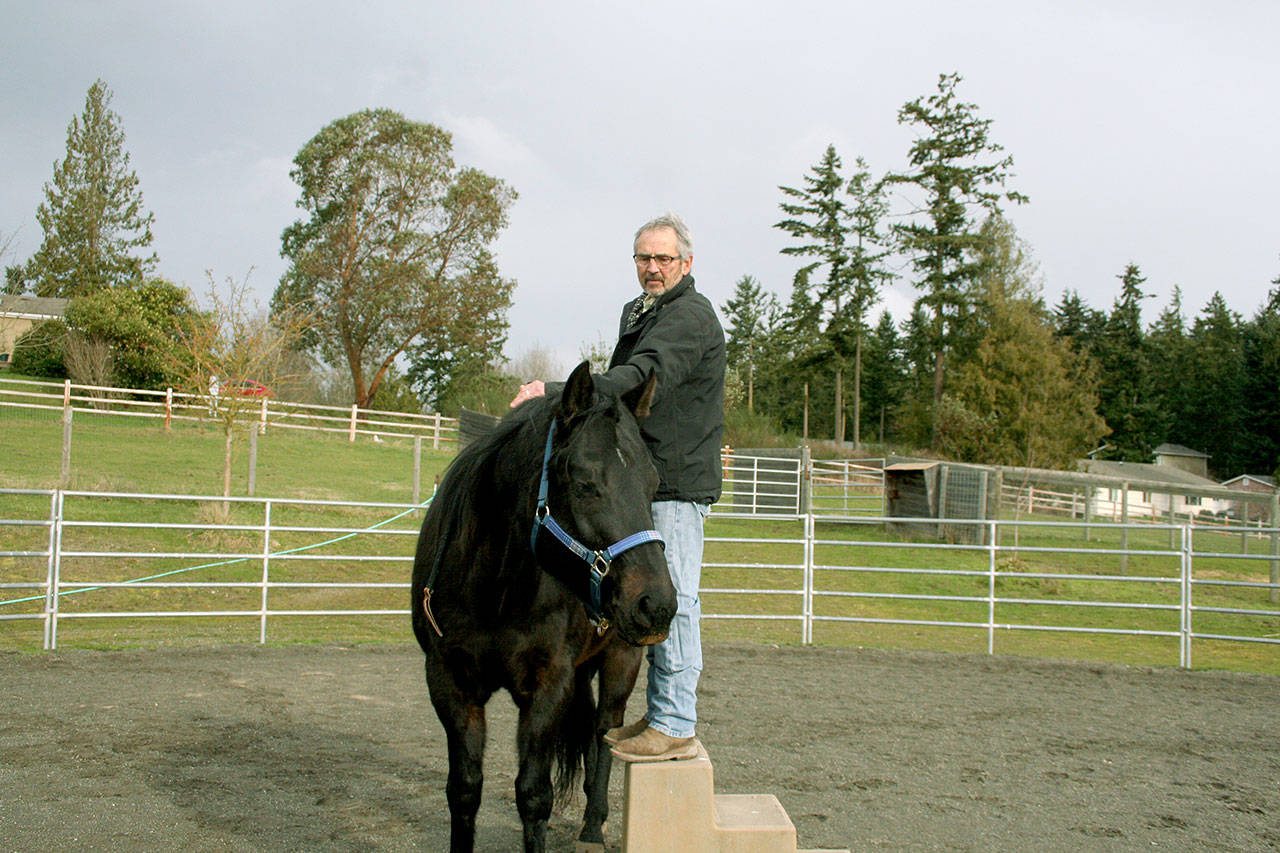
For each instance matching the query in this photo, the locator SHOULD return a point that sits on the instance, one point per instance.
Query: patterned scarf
(638, 308)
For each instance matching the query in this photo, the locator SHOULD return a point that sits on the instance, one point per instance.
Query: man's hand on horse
(528, 391)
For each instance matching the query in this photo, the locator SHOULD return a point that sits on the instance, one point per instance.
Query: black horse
(509, 594)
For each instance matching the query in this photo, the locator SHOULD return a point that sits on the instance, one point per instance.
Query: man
(672, 330)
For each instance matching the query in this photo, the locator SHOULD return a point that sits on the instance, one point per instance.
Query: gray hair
(684, 240)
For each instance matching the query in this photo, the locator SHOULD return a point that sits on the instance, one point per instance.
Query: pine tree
(1127, 399)
(747, 312)
(884, 378)
(1214, 376)
(1079, 323)
(97, 232)
(1170, 360)
(957, 167)
(819, 220)
(844, 240)
(867, 274)
(1261, 391)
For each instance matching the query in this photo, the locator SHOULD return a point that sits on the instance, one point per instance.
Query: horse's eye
(587, 489)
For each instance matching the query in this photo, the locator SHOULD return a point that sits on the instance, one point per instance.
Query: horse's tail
(577, 733)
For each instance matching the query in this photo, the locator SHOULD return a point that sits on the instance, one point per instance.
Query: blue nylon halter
(598, 561)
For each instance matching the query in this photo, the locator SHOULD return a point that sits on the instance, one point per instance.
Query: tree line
(982, 370)
(391, 282)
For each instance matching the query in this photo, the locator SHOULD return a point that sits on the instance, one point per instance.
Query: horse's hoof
(581, 846)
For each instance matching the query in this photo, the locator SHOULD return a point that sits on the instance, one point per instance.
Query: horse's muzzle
(648, 620)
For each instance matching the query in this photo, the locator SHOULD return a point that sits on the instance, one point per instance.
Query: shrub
(40, 351)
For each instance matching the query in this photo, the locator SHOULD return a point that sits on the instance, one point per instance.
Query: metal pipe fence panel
(78, 557)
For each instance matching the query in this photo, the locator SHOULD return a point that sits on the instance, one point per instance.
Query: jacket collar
(676, 292)
(637, 315)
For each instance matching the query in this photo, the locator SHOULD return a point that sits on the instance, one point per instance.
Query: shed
(941, 490)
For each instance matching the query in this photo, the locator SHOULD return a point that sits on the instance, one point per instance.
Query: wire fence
(75, 558)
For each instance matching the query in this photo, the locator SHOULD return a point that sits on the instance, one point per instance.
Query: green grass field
(854, 563)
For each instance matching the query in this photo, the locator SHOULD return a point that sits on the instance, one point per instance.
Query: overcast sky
(1143, 132)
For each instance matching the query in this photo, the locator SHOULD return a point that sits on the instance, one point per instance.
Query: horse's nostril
(652, 613)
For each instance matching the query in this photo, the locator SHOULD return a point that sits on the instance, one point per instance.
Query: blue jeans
(676, 662)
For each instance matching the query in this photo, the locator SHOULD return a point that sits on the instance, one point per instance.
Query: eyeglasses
(663, 260)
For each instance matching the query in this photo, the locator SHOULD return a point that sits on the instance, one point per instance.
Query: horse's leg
(541, 715)
(462, 715)
(617, 678)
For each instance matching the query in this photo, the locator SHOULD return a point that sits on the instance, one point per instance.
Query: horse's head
(602, 481)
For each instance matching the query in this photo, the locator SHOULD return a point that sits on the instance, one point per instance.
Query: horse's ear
(640, 398)
(579, 392)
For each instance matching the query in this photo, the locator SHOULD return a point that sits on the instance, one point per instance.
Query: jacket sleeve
(671, 347)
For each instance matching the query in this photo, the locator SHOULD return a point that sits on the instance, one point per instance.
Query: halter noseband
(598, 562)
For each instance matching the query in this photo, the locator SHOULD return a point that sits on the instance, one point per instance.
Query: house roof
(1145, 472)
(32, 307)
(1178, 450)
(1269, 482)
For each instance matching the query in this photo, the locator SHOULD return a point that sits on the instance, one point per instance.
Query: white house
(1157, 489)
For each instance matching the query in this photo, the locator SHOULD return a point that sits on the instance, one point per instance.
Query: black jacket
(681, 340)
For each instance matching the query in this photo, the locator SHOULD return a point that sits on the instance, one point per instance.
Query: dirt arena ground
(335, 748)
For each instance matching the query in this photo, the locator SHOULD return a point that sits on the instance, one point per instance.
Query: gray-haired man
(672, 330)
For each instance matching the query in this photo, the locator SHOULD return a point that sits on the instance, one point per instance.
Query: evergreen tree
(1127, 399)
(1077, 322)
(819, 221)
(957, 168)
(1171, 357)
(747, 312)
(913, 415)
(796, 352)
(1261, 388)
(867, 275)
(97, 233)
(1214, 376)
(884, 377)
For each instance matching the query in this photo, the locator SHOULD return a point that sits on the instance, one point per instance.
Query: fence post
(168, 407)
(66, 393)
(435, 439)
(417, 468)
(351, 432)
(1184, 656)
(266, 568)
(52, 569)
(804, 498)
(992, 533)
(1275, 548)
(262, 419)
(806, 607)
(1088, 512)
(1124, 529)
(55, 583)
(65, 480)
(253, 459)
